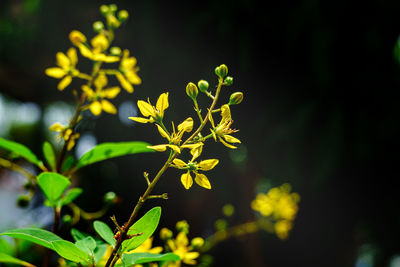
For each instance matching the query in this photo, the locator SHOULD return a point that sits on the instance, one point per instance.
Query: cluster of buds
(195, 142)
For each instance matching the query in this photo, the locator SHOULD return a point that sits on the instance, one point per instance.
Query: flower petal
(63, 61)
(186, 125)
(124, 83)
(85, 51)
(133, 77)
(56, 127)
(72, 55)
(231, 139)
(179, 163)
(187, 182)
(175, 148)
(202, 180)
(111, 92)
(95, 108)
(162, 103)
(146, 109)
(226, 144)
(100, 81)
(138, 119)
(57, 73)
(64, 82)
(88, 91)
(225, 113)
(108, 107)
(159, 148)
(207, 164)
(162, 132)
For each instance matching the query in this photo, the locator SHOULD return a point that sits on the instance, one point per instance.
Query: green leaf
(105, 232)
(78, 235)
(49, 155)
(53, 185)
(5, 247)
(88, 245)
(138, 258)
(67, 164)
(70, 251)
(99, 252)
(71, 195)
(35, 235)
(10, 259)
(145, 226)
(20, 150)
(111, 150)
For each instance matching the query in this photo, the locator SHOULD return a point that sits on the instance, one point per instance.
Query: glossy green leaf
(88, 245)
(53, 185)
(71, 195)
(5, 258)
(145, 227)
(70, 251)
(49, 155)
(5, 247)
(78, 235)
(138, 258)
(67, 164)
(35, 235)
(111, 150)
(105, 232)
(20, 150)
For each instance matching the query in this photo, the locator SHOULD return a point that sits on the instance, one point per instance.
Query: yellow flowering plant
(130, 243)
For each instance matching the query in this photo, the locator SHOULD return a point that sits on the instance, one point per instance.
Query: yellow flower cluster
(99, 51)
(65, 133)
(220, 132)
(280, 205)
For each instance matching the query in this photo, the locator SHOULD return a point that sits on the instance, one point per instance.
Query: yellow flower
(66, 133)
(192, 166)
(174, 139)
(97, 98)
(66, 68)
(154, 113)
(180, 246)
(99, 44)
(146, 246)
(128, 75)
(222, 130)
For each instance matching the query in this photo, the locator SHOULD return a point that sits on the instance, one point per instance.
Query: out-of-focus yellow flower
(194, 167)
(222, 131)
(66, 68)
(99, 45)
(146, 246)
(128, 72)
(154, 113)
(180, 246)
(66, 133)
(97, 98)
(174, 139)
(280, 205)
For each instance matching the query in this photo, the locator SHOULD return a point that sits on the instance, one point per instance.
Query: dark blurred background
(320, 112)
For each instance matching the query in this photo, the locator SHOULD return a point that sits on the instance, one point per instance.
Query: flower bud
(165, 233)
(221, 224)
(113, 7)
(113, 21)
(123, 15)
(236, 98)
(197, 242)
(110, 197)
(228, 210)
(115, 51)
(98, 26)
(228, 80)
(203, 85)
(221, 71)
(76, 37)
(23, 201)
(66, 219)
(104, 9)
(191, 90)
(182, 226)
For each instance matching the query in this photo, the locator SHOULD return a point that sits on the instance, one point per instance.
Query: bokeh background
(320, 112)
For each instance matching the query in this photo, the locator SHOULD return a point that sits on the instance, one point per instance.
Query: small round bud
(191, 90)
(203, 85)
(29, 186)
(220, 224)
(98, 26)
(76, 37)
(228, 80)
(104, 9)
(66, 219)
(115, 51)
(197, 242)
(23, 201)
(228, 210)
(182, 226)
(113, 21)
(113, 7)
(110, 197)
(221, 71)
(123, 15)
(236, 98)
(165, 233)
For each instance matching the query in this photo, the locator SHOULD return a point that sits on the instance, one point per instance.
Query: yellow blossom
(66, 68)
(146, 247)
(222, 131)
(193, 166)
(66, 133)
(180, 246)
(128, 72)
(97, 97)
(154, 113)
